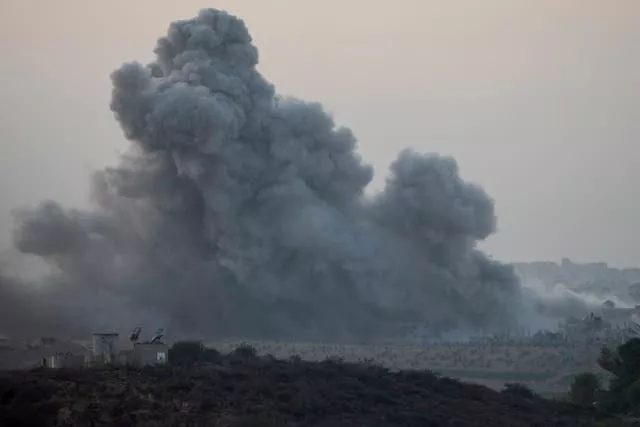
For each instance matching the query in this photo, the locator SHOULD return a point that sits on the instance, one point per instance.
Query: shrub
(245, 351)
(584, 389)
(210, 355)
(186, 353)
(255, 421)
(295, 358)
(623, 395)
(519, 390)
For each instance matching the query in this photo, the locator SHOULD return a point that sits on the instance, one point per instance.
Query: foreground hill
(266, 392)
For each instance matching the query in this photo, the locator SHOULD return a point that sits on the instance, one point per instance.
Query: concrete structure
(105, 348)
(144, 354)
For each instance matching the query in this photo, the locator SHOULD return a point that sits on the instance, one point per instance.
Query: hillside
(547, 369)
(266, 392)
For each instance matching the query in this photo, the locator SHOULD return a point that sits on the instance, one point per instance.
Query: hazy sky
(539, 101)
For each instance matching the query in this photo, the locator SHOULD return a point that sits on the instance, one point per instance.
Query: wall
(150, 354)
(64, 361)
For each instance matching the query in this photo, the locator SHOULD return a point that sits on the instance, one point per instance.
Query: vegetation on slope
(242, 389)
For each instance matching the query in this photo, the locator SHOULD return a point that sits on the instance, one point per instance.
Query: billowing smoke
(28, 312)
(559, 301)
(240, 213)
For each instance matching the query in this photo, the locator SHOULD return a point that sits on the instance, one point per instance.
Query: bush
(623, 395)
(185, 352)
(295, 358)
(210, 355)
(584, 389)
(519, 390)
(245, 351)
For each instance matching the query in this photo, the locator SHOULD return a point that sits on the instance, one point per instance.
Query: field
(546, 369)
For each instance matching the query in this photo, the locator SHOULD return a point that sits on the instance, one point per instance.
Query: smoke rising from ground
(237, 212)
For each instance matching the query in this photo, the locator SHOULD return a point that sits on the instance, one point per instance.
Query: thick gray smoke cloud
(23, 312)
(240, 213)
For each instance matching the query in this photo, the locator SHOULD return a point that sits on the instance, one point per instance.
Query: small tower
(105, 348)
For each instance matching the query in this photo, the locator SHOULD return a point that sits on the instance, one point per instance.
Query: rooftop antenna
(158, 336)
(135, 334)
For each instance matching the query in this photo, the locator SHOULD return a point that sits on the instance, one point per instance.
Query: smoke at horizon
(237, 212)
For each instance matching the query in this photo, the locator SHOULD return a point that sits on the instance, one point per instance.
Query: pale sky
(538, 100)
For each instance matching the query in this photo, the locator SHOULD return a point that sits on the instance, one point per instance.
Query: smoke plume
(237, 212)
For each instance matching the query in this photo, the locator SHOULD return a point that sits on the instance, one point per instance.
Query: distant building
(144, 354)
(64, 360)
(105, 349)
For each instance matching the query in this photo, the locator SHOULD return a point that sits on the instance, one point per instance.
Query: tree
(584, 388)
(186, 352)
(245, 351)
(210, 355)
(624, 364)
